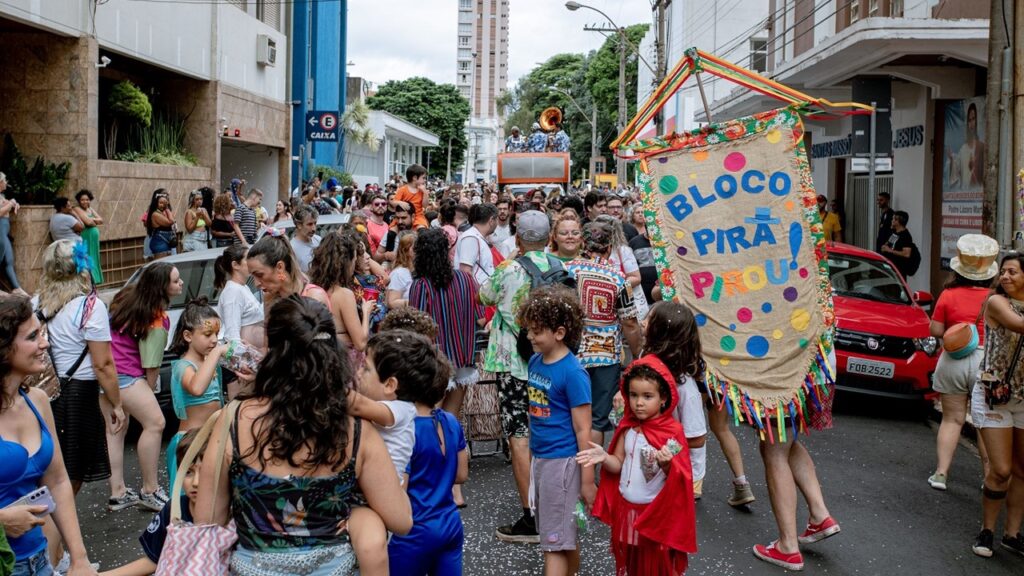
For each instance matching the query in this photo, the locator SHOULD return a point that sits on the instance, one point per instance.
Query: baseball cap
(332, 183)
(533, 226)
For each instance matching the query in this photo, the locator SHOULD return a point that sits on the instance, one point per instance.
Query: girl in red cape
(646, 490)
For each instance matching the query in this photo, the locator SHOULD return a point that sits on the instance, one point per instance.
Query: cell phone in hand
(38, 497)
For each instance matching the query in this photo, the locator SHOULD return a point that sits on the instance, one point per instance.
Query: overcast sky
(398, 39)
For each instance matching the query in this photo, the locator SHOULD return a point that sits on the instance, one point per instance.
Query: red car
(883, 346)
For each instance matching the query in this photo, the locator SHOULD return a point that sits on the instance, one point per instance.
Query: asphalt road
(873, 465)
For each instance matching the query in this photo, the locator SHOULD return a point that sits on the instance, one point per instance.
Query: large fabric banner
(736, 236)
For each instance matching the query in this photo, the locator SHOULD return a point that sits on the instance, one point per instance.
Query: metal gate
(858, 230)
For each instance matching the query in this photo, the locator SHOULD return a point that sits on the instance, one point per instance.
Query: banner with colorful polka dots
(737, 237)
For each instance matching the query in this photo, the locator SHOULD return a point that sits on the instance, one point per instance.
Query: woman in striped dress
(449, 296)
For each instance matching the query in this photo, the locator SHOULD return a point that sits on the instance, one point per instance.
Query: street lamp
(593, 126)
(574, 6)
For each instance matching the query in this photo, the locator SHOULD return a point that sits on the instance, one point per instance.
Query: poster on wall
(963, 173)
(737, 237)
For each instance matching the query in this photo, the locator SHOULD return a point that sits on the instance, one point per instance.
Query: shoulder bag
(191, 550)
(48, 380)
(961, 339)
(997, 387)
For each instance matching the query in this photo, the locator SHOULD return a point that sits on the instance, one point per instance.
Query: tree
(355, 124)
(602, 81)
(591, 79)
(435, 107)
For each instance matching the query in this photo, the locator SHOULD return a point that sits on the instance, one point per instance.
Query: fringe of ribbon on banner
(696, 62)
(793, 415)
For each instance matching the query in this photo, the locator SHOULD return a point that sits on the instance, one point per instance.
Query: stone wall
(48, 95)
(123, 191)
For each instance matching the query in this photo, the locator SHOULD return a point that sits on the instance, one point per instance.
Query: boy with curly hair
(560, 420)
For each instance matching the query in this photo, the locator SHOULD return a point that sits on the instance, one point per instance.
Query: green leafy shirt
(507, 289)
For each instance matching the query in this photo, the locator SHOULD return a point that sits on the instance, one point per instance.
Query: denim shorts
(124, 381)
(37, 565)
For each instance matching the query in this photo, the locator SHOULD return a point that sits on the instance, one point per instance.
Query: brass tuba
(550, 118)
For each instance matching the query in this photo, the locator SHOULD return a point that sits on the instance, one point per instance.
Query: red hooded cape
(670, 519)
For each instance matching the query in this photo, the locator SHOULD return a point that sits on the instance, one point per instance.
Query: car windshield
(866, 278)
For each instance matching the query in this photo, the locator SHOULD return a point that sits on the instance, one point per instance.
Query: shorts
(556, 490)
(36, 565)
(513, 404)
(604, 383)
(82, 431)
(1009, 415)
(124, 381)
(954, 376)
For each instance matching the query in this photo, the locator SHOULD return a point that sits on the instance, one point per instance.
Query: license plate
(870, 367)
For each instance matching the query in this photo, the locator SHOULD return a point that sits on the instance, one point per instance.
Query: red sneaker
(818, 532)
(772, 555)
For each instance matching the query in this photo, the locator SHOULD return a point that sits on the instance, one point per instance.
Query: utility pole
(661, 45)
(620, 164)
(996, 158)
(448, 170)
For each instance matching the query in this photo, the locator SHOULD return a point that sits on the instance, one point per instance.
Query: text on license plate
(870, 367)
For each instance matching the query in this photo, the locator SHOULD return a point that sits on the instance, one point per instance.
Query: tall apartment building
(481, 76)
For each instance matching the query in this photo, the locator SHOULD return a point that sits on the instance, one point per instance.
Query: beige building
(481, 76)
(218, 68)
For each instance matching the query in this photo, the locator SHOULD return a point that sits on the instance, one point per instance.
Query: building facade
(216, 72)
(924, 64)
(319, 58)
(481, 76)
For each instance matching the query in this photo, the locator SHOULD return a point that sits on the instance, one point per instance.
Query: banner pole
(703, 97)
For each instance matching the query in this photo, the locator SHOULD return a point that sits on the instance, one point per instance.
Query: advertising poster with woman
(963, 168)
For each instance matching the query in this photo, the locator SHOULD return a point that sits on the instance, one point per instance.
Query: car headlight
(927, 345)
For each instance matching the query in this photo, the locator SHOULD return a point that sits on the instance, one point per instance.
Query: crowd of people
(341, 443)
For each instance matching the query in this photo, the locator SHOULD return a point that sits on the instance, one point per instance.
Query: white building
(399, 144)
(481, 76)
(730, 29)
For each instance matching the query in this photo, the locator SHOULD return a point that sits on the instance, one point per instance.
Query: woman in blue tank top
(29, 454)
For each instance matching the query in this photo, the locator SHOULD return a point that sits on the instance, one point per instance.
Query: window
(463, 65)
(465, 4)
(269, 12)
(463, 78)
(854, 11)
(872, 8)
(758, 54)
(463, 40)
(896, 8)
(240, 3)
(466, 28)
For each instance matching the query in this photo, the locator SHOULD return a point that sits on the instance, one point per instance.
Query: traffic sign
(322, 126)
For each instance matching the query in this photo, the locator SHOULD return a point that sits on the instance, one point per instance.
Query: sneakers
(818, 532)
(772, 555)
(937, 481)
(524, 531)
(983, 544)
(127, 500)
(741, 494)
(155, 501)
(1014, 543)
(698, 489)
(65, 564)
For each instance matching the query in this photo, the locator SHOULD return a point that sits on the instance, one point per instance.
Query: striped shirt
(455, 310)
(246, 218)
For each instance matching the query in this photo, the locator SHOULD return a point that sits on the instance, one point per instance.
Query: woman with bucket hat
(959, 321)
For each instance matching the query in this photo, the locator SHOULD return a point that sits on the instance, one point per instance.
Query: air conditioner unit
(266, 50)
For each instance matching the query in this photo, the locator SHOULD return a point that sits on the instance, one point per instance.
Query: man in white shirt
(305, 239)
(472, 252)
(504, 229)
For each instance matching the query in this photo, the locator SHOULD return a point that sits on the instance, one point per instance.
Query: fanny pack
(961, 339)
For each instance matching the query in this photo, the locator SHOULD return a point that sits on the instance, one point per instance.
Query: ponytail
(222, 266)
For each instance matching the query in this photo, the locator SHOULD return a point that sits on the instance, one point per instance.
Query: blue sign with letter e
(322, 126)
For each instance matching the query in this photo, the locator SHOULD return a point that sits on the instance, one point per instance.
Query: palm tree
(355, 124)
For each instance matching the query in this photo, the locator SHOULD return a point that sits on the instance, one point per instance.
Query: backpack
(914, 261)
(556, 274)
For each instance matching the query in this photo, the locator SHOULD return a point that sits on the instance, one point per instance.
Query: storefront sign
(963, 169)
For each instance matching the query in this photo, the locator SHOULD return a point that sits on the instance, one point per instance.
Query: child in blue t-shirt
(152, 540)
(559, 393)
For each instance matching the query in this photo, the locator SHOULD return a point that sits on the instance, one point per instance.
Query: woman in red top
(961, 301)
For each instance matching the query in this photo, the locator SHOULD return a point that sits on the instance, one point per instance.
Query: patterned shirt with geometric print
(606, 300)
